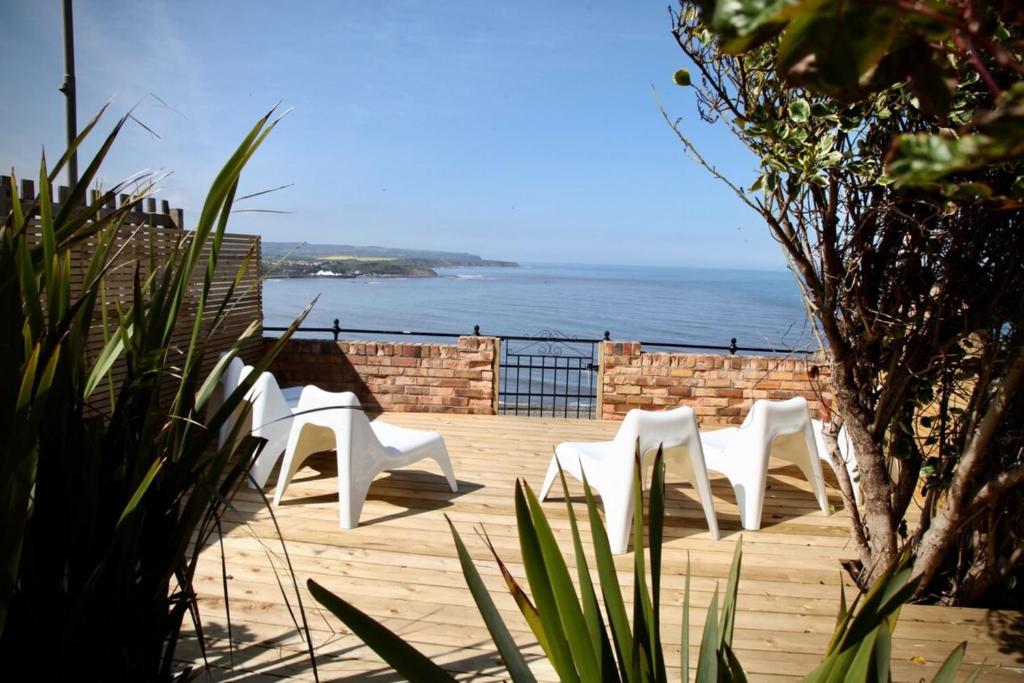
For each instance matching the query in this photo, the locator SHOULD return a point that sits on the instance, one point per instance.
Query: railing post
(496, 374)
(336, 329)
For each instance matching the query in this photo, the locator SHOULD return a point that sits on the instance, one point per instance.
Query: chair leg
(310, 439)
(681, 463)
(809, 463)
(750, 499)
(351, 498)
(445, 463)
(549, 478)
(618, 518)
(265, 461)
(818, 482)
(703, 487)
(292, 462)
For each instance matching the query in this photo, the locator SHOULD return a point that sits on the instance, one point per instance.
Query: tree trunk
(879, 526)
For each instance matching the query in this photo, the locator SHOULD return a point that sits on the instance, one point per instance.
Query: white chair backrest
(359, 450)
(270, 411)
(229, 380)
(669, 428)
(232, 375)
(767, 420)
(777, 418)
(341, 410)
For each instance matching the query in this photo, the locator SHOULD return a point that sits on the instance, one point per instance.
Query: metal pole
(68, 88)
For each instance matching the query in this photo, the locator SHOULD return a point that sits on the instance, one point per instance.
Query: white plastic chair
(272, 415)
(229, 381)
(609, 465)
(845, 452)
(269, 415)
(335, 421)
(780, 429)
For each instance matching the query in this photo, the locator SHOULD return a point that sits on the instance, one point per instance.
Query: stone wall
(463, 377)
(394, 376)
(719, 388)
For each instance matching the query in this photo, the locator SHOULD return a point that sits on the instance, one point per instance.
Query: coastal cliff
(295, 259)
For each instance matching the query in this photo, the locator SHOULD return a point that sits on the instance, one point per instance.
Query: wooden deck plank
(399, 566)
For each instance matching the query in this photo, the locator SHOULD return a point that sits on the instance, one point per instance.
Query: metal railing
(733, 347)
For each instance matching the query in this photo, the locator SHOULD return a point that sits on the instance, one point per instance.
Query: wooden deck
(400, 566)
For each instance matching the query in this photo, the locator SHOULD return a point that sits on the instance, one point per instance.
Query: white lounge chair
(845, 452)
(229, 381)
(609, 465)
(269, 415)
(780, 429)
(335, 421)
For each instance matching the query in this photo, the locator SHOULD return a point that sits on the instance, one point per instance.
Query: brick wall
(719, 388)
(392, 376)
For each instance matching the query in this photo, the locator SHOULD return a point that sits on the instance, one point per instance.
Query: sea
(698, 306)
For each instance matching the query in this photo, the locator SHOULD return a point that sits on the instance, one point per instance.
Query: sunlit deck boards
(400, 567)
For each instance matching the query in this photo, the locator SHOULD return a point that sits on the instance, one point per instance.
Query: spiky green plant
(106, 495)
(585, 643)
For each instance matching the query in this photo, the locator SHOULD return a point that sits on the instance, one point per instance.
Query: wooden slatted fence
(147, 239)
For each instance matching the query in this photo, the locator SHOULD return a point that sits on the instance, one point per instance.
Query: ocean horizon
(679, 305)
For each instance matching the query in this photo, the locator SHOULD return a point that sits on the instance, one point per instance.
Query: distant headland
(299, 259)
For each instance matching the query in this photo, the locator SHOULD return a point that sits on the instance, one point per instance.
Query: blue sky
(525, 131)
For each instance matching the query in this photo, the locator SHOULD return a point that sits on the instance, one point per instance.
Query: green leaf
(213, 380)
(883, 653)
(799, 110)
(656, 526)
(831, 46)
(522, 600)
(49, 372)
(541, 587)
(591, 607)
(30, 290)
(28, 380)
(947, 672)
(110, 353)
(682, 77)
(707, 661)
(141, 489)
(569, 612)
(919, 159)
(843, 610)
(16, 211)
(644, 642)
(729, 599)
(732, 665)
(402, 657)
(744, 24)
(610, 589)
(507, 648)
(862, 661)
(684, 648)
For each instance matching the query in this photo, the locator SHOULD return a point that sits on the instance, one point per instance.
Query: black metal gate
(548, 374)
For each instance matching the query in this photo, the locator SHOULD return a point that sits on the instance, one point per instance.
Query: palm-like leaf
(106, 504)
(574, 633)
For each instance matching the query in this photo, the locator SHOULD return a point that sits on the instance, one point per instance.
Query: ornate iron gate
(548, 374)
